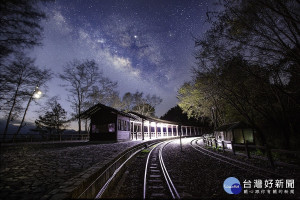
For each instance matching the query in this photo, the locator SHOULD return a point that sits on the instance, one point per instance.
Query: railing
(10, 138)
(212, 142)
(138, 135)
(102, 181)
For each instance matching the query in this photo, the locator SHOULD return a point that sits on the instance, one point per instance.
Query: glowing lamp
(37, 94)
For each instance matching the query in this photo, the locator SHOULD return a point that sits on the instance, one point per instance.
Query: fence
(212, 142)
(10, 138)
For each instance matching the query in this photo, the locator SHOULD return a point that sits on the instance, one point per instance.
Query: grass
(145, 151)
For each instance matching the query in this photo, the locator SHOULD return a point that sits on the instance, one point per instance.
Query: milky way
(144, 45)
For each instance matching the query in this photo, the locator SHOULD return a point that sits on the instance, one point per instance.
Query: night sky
(145, 45)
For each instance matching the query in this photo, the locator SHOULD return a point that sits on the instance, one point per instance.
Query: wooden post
(269, 155)
(216, 143)
(136, 137)
(180, 128)
(232, 146)
(223, 146)
(131, 129)
(246, 149)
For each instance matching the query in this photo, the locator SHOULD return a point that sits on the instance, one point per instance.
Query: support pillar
(167, 129)
(155, 129)
(149, 130)
(143, 136)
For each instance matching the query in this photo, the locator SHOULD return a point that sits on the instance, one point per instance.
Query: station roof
(152, 119)
(234, 125)
(133, 115)
(92, 110)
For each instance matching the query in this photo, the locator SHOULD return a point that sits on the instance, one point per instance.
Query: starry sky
(145, 45)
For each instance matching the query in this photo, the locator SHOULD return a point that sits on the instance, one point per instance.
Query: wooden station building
(107, 123)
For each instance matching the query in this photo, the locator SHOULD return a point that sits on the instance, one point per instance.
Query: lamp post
(214, 116)
(179, 128)
(36, 94)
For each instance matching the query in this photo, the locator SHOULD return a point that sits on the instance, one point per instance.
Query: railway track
(157, 182)
(234, 162)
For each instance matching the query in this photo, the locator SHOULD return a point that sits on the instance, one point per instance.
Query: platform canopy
(235, 125)
(151, 119)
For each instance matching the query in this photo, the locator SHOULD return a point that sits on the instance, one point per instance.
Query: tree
(20, 29)
(176, 114)
(20, 25)
(105, 92)
(140, 104)
(81, 78)
(248, 63)
(21, 77)
(264, 33)
(54, 120)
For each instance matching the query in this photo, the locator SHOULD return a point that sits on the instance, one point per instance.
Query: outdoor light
(37, 94)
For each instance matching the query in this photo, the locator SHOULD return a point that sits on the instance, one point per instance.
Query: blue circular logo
(232, 186)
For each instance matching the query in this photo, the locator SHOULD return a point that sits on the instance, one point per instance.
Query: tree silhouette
(54, 120)
(20, 25)
(248, 68)
(21, 78)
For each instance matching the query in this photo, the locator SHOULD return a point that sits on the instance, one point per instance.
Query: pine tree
(54, 121)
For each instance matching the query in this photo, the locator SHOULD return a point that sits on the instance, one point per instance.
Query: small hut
(237, 132)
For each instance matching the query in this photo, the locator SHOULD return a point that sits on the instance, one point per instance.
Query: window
(111, 127)
(128, 126)
(119, 124)
(123, 125)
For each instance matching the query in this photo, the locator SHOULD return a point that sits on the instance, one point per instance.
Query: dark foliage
(19, 25)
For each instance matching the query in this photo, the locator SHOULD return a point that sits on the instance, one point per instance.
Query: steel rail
(226, 160)
(104, 187)
(102, 190)
(171, 186)
(240, 162)
(168, 180)
(146, 169)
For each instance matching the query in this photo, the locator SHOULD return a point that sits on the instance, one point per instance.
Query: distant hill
(13, 127)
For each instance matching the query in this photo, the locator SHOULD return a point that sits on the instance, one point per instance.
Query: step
(156, 187)
(157, 195)
(155, 181)
(155, 176)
